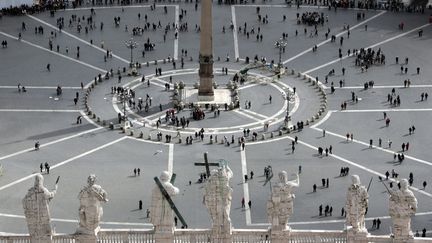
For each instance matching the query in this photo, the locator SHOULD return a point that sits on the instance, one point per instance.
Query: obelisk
(205, 90)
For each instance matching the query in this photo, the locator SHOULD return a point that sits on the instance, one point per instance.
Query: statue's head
(283, 176)
(403, 184)
(38, 180)
(91, 179)
(355, 180)
(165, 176)
(215, 172)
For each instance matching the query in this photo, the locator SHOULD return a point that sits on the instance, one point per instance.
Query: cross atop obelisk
(205, 90)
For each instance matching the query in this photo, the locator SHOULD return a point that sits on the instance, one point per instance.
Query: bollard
(307, 122)
(141, 135)
(312, 119)
(271, 135)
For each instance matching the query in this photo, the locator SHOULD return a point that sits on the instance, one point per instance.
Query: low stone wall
(204, 236)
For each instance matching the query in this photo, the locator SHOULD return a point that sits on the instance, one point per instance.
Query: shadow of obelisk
(205, 90)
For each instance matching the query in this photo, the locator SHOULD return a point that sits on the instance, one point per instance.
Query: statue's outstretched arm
(296, 182)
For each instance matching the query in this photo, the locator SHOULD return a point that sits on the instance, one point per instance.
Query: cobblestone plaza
(72, 58)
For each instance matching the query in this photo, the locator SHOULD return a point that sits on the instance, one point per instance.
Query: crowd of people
(364, 58)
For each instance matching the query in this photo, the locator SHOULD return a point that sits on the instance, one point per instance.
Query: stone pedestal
(403, 240)
(164, 237)
(356, 237)
(280, 236)
(41, 239)
(223, 233)
(219, 97)
(222, 238)
(82, 238)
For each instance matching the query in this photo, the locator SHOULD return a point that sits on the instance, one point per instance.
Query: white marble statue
(402, 205)
(90, 211)
(36, 211)
(356, 205)
(217, 198)
(161, 214)
(280, 205)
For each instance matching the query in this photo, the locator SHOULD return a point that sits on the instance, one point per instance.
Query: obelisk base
(206, 97)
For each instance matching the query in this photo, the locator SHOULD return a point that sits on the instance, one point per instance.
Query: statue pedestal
(403, 238)
(222, 234)
(280, 234)
(160, 237)
(80, 238)
(354, 236)
(164, 234)
(40, 239)
(84, 235)
(221, 238)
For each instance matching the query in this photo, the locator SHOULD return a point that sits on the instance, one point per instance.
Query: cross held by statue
(169, 200)
(207, 164)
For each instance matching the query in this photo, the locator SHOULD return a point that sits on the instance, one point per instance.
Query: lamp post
(281, 44)
(288, 100)
(131, 44)
(125, 98)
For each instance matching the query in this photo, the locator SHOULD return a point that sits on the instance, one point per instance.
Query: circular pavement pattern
(76, 150)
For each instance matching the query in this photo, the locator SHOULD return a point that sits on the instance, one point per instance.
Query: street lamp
(281, 44)
(131, 44)
(125, 98)
(288, 100)
(287, 117)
